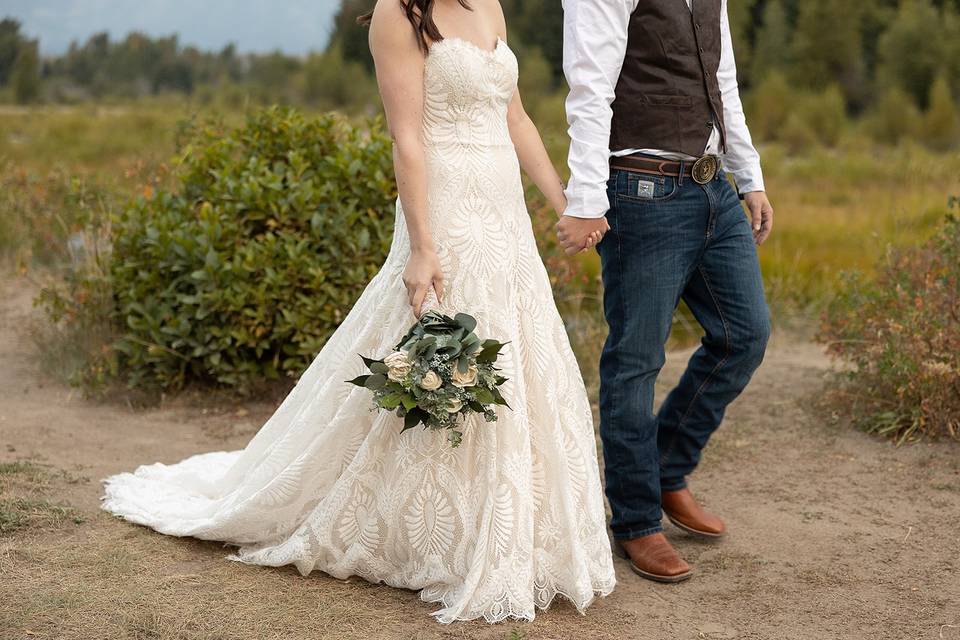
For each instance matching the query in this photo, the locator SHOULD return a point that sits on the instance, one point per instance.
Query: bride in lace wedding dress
(514, 516)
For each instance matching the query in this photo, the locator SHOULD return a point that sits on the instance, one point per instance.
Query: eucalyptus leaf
(468, 322)
(376, 381)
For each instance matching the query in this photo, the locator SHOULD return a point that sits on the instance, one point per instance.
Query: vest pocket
(663, 100)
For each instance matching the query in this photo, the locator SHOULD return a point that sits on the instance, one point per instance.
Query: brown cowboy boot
(683, 511)
(654, 558)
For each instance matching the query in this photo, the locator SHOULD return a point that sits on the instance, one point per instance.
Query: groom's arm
(594, 45)
(740, 158)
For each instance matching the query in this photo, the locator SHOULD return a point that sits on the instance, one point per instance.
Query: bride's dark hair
(420, 15)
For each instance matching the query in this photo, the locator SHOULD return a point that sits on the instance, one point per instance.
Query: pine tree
(827, 46)
(913, 50)
(25, 75)
(877, 17)
(739, 13)
(10, 43)
(350, 37)
(772, 48)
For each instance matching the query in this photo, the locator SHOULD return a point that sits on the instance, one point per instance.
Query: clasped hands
(580, 234)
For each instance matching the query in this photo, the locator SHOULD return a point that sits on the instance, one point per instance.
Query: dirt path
(833, 534)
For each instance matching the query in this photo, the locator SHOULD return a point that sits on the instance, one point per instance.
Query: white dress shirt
(594, 46)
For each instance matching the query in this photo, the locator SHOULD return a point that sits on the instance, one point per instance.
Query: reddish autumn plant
(901, 334)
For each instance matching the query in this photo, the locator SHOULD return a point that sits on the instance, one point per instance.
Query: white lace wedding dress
(494, 528)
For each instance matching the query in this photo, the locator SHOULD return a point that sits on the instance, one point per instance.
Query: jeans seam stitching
(623, 299)
(711, 375)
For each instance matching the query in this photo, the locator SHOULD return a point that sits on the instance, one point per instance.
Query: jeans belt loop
(680, 174)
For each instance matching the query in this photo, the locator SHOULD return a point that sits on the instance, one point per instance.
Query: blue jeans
(672, 239)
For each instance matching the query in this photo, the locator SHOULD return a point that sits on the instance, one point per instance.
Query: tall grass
(836, 209)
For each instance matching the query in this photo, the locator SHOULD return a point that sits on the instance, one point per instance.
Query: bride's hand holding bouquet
(438, 374)
(423, 275)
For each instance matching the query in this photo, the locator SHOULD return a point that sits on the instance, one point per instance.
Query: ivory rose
(398, 365)
(468, 379)
(431, 381)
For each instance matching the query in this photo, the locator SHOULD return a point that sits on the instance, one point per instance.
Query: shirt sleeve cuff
(749, 180)
(592, 203)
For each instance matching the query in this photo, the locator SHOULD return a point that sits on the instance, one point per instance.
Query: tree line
(866, 50)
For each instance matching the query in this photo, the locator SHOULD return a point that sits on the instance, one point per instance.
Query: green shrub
(901, 333)
(245, 268)
(797, 134)
(894, 117)
(941, 128)
(800, 119)
(769, 106)
(825, 113)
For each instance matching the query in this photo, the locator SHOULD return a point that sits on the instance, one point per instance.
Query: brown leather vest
(668, 95)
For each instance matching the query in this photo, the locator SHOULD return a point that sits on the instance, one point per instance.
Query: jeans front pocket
(643, 188)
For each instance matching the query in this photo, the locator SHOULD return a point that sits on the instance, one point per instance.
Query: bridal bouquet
(438, 374)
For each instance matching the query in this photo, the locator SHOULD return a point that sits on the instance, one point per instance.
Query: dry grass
(803, 557)
(23, 503)
(118, 582)
(103, 578)
(114, 581)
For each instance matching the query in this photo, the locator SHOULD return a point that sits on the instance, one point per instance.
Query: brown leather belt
(702, 170)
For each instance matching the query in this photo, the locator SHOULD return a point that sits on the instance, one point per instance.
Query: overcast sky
(294, 26)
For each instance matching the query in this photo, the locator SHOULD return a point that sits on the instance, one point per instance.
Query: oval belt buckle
(705, 169)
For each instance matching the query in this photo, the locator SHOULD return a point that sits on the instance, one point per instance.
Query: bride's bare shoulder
(390, 28)
(494, 10)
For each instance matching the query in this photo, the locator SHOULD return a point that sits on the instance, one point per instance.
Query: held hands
(580, 234)
(761, 215)
(422, 272)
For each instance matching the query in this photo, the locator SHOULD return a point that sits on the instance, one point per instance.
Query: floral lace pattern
(492, 529)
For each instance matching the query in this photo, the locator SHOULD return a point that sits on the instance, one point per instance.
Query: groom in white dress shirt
(656, 126)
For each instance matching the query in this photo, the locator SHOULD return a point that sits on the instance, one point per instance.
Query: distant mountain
(293, 26)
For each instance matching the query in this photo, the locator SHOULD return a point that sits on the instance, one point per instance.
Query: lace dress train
(492, 529)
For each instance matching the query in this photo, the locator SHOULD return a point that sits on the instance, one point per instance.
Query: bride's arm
(533, 155)
(526, 140)
(399, 64)
(535, 161)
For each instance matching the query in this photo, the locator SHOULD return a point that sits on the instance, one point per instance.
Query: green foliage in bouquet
(243, 270)
(901, 334)
(439, 373)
